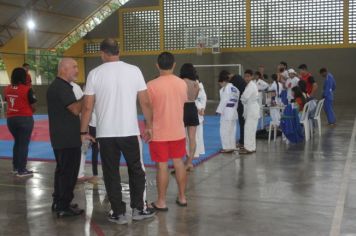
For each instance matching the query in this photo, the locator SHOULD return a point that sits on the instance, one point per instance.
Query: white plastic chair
(2, 107)
(275, 122)
(304, 120)
(317, 114)
(274, 126)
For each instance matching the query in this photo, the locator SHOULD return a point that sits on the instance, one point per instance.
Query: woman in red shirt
(20, 99)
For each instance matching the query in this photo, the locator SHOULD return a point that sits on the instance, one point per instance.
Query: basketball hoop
(214, 43)
(200, 38)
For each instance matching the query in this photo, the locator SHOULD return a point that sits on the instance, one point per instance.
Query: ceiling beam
(14, 17)
(42, 11)
(39, 31)
(96, 2)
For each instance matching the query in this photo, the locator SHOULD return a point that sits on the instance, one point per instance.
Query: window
(92, 47)
(352, 21)
(141, 31)
(225, 19)
(302, 22)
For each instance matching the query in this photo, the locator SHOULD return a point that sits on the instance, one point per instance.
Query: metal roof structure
(55, 19)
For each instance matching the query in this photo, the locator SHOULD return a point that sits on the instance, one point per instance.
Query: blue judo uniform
(328, 94)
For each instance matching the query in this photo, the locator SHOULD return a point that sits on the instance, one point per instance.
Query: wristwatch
(83, 133)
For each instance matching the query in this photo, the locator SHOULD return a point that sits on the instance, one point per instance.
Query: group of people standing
(239, 100)
(172, 107)
(242, 99)
(105, 115)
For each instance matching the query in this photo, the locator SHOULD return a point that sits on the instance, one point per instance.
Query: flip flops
(164, 209)
(181, 204)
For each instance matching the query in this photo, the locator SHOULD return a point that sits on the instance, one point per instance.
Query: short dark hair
(25, 64)
(18, 76)
(248, 71)
(110, 46)
(303, 67)
(302, 85)
(284, 63)
(274, 77)
(323, 70)
(224, 76)
(165, 61)
(298, 93)
(188, 71)
(258, 74)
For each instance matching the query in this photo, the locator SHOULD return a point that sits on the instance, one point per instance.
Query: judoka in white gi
(229, 97)
(249, 99)
(291, 82)
(276, 88)
(200, 102)
(262, 87)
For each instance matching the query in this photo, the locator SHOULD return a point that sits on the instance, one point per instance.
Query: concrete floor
(281, 190)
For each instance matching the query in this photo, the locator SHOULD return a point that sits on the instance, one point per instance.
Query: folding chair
(317, 114)
(304, 120)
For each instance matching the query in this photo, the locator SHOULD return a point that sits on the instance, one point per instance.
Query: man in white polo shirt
(113, 88)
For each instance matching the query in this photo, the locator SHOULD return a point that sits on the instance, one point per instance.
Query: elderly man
(64, 127)
(113, 88)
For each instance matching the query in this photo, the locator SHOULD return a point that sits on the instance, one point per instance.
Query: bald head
(109, 49)
(68, 69)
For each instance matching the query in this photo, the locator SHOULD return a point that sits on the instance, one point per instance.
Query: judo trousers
(228, 134)
(250, 133)
(329, 110)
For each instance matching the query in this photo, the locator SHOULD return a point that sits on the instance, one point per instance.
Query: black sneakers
(138, 215)
(24, 173)
(69, 212)
(72, 205)
(118, 219)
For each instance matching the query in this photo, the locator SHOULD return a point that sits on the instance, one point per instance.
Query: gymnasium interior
(306, 188)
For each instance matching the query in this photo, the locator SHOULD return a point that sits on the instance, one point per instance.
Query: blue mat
(42, 151)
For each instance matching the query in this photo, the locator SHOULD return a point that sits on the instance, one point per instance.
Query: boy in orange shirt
(168, 93)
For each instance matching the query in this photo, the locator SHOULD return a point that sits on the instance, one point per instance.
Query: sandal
(181, 204)
(158, 208)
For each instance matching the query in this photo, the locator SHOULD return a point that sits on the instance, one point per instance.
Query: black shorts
(191, 117)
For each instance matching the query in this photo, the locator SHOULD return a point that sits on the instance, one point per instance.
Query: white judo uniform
(262, 87)
(291, 83)
(249, 99)
(78, 92)
(200, 102)
(229, 97)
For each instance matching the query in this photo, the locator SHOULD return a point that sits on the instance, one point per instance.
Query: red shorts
(162, 151)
